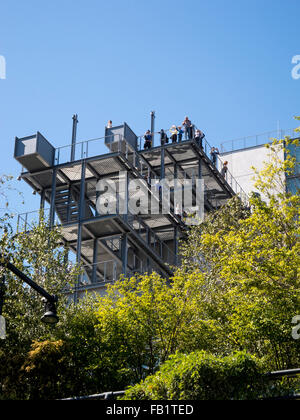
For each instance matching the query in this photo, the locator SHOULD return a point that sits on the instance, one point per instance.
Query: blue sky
(225, 64)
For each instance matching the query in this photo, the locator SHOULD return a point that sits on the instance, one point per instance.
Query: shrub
(202, 376)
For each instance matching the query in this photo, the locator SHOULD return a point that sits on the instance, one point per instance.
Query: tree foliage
(250, 260)
(202, 376)
(40, 255)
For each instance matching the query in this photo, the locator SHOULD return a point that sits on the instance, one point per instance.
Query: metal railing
(87, 148)
(102, 272)
(256, 140)
(207, 148)
(230, 179)
(117, 143)
(26, 221)
(151, 239)
(272, 375)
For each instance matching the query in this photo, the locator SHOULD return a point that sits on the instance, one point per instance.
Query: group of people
(188, 129)
(177, 132)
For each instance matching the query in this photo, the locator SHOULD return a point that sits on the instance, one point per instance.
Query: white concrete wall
(241, 161)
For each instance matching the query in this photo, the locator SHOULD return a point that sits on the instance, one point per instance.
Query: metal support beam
(69, 204)
(53, 194)
(95, 260)
(176, 238)
(175, 171)
(200, 170)
(81, 217)
(82, 192)
(124, 253)
(123, 201)
(43, 197)
(162, 163)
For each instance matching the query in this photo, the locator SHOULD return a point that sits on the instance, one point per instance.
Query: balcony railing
(207, 148)
(256, 140)
(96, 274)
(87, 148)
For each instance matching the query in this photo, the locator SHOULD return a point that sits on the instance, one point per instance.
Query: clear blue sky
(225, 64)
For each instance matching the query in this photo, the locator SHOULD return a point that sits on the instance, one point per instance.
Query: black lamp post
(50, 316)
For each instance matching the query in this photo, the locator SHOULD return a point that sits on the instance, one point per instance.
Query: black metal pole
(74, 135)
(152, 125)
(27, 280)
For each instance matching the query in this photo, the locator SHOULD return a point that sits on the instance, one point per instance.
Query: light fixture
(50, 316)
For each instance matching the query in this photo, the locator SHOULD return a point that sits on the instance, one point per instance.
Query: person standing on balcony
(180, 133)
(174, 132)
(225, 169)
(187, 128)
(163, 137)
(148, 140)
(199, 136)
(214, 154)
(109, 124)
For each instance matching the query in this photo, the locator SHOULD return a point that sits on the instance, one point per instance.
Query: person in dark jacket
(164, 139)
(148, 140)
(199, 136)
(214, 154)
(188, 128)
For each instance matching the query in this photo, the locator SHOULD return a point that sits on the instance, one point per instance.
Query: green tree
(250, 260)
(202, 376)
(40, 254)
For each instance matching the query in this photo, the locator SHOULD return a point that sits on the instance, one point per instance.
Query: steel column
(95, 260)
(42, 205)
(200, 170)
(81, 217)
(176, 237)
(162, 164)
(53, 195)
(124, 252)
(152, 126)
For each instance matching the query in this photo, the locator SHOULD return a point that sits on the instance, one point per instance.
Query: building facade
(108, 244)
